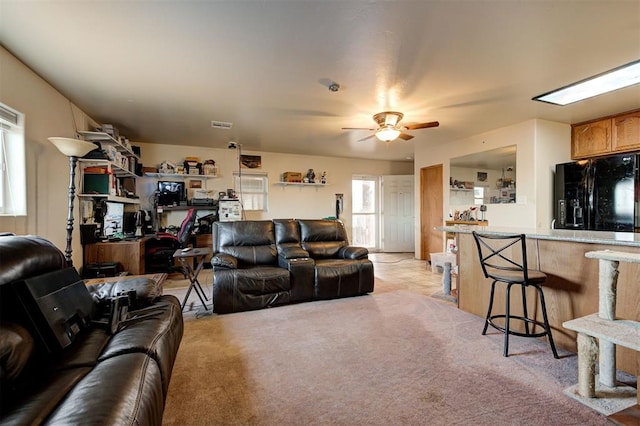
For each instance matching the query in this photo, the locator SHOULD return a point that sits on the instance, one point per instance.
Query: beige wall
(284, 201)
(49, 113)
(539, 144)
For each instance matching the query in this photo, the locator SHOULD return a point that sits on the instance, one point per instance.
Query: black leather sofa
(260, 264)
(89, 375)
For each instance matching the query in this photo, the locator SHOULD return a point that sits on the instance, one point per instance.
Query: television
(171, 193)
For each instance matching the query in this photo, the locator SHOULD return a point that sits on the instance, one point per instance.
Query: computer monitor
(170, 193)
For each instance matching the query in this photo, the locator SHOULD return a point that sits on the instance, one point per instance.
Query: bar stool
(496, 265)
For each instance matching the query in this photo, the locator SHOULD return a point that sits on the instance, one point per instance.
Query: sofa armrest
(292, 253)
(351, 252)
(301, 275)
(223, 260)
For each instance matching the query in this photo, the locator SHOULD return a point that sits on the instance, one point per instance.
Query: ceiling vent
(221, 125)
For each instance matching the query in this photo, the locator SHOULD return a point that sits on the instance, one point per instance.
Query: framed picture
(195, 183)
(251, 161)
(482, 176)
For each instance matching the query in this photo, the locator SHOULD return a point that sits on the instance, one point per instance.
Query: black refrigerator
(598, 194)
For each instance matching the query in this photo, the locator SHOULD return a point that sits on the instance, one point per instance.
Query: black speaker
(88, 234)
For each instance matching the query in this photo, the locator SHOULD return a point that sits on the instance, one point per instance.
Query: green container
(95, 184)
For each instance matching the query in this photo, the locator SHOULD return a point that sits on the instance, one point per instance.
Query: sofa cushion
(32, 406)
(323, 239)
(343, 278)
(157, 335)
(123, 390)
(253, 288)
(251, 242)
(16, 346)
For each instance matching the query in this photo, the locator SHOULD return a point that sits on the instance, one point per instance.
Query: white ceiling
(161, 71)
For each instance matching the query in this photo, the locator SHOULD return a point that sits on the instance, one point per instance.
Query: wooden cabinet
(129, 254)
(591, 139)
(625, 134)
(610, 135)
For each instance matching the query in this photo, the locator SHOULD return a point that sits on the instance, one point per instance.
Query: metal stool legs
(489, 319)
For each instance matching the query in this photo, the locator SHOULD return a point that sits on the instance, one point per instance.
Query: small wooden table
(198, 255)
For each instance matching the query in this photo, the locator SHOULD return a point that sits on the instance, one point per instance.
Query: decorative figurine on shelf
(311, 176)
(167, 167)
(323, 178)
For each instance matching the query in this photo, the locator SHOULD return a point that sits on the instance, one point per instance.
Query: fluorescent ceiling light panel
(617, 78)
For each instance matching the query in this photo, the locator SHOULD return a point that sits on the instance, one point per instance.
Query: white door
(397, 214)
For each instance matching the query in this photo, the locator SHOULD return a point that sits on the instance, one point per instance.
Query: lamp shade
(72, 147)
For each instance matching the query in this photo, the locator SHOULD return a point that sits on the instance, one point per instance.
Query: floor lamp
(72, 148)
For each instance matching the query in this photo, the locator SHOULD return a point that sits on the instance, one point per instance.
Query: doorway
(398, 216)
(431, 206)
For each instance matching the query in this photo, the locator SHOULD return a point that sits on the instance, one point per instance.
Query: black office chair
(492, 250)
(159, 250)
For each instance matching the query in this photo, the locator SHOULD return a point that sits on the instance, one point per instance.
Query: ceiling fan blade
(422, 125)
(405, 136)
(358, 128)
(368, 137)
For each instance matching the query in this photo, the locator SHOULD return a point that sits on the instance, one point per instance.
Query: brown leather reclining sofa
(94, 376)
(265, 263)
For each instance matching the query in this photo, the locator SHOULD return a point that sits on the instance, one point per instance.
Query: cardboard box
(292, 177)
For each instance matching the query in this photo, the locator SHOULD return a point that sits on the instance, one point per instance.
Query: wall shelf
(300, 184)
(116, 170)
(180, 176)
(108, 139)
(115, 198)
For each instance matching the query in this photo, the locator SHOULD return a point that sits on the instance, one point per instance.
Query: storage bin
(439, 259)
(95, 184)
(101, 270)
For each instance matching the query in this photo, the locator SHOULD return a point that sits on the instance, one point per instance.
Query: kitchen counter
(571, 288)
(590, 237)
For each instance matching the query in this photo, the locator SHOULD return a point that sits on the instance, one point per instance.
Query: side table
(198, 255)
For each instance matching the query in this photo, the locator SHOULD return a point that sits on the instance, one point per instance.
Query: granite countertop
(593, 237)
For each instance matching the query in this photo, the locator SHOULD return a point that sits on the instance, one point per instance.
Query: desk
(198, 255)
(128, 253)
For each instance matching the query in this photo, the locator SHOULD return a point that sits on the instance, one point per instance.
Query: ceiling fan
(389, 128)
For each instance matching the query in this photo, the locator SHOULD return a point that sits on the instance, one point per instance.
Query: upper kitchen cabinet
(626, 132)
(591, 139)
(611, 135)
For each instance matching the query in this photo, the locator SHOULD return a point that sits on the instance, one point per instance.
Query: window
(252, 189)
(13, 182)
(364, 211)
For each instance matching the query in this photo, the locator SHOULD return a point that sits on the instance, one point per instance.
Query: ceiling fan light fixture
(388, 118)
(388, 133)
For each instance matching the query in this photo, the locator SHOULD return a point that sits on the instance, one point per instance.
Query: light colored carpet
(390, 358)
